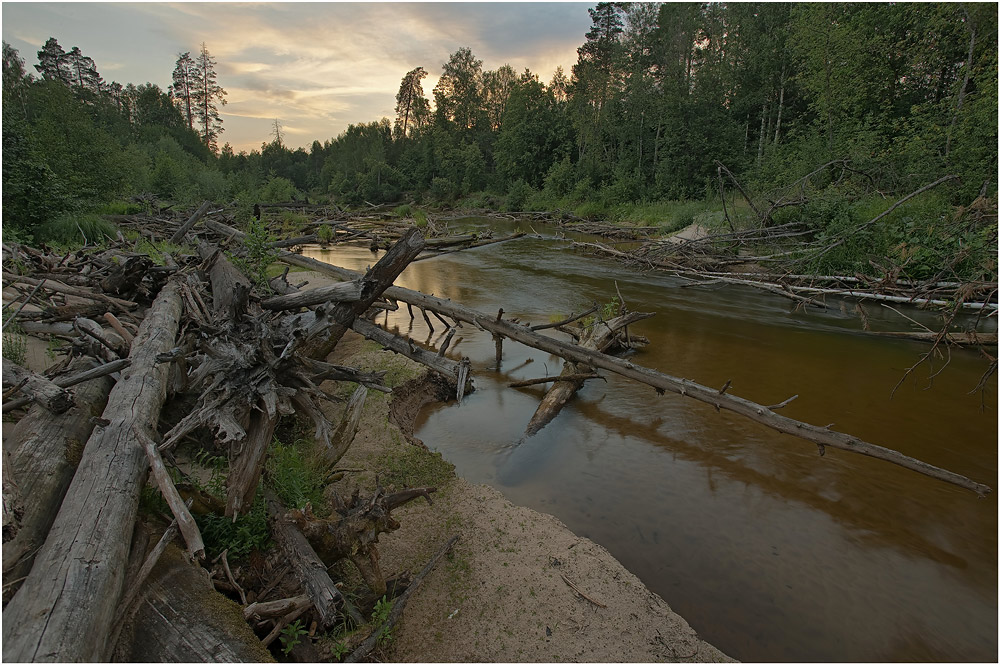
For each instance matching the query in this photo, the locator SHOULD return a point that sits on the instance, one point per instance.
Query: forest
(852, 106)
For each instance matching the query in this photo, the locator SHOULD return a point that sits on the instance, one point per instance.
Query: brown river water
(771, 552)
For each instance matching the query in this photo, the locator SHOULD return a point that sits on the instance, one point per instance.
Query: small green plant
(325, 233)
(248, 533)
(53, 348)
(419, 219)
(291, 635)
(15, 344)
(380, 616)
(403, 210)
(293, 477)
(258, 254)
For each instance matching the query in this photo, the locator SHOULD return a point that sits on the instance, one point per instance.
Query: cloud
(318, 65)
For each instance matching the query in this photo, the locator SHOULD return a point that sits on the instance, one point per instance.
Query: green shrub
(248, 533)
(517, 196)
(277, 190)
(74, 230)
(293, 474)
(402, 211)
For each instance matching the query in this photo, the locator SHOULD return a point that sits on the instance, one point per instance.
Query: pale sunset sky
(315, 66)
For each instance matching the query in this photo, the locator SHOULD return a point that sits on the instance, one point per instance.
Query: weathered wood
(353, 531)
(658, 380)
(274, 608)
(230, 287)
(185, 522)
(45, 451)
(342, 292)
(179, 234)
(309, 569)
(444, 366)
(396, 612)
(988, 339)
(598, 337)
(78, 292)
(472, 245)
(68, 380)
(65, 608)
(549, 379)
(181, 619)
(247, 466)
(13, 508)
(375, 281)
(37, 387)
(347, 429)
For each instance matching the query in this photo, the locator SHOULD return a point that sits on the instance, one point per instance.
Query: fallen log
(821, 436)
(549, 379)
(353, 530)
(444, 366)
(45, 450)
(65, 608)
(179, 234)
(472, 245)
(181, 619)
(373, 283)
(396, 612)
(309, 568)
(970, 338)
(598, 337)
(44, 392)
(78, 292)
(73, 379)
(343, 436)
(342, 292)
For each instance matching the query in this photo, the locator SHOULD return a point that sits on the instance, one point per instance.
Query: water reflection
(768, 550)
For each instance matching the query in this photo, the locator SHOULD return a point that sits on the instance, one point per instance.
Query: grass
(75, 230)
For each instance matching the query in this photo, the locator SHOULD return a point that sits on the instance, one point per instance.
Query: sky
(315, 66)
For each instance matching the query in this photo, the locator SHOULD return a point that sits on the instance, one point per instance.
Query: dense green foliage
(897, 95)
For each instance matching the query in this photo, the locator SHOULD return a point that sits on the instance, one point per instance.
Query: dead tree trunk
(41, 390)
(45, 452)
(375, 281)
(65, 609)
(599, 337)
(310, 570)
(182, 619)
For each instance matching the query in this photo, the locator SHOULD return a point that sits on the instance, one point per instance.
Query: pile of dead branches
(187, 353)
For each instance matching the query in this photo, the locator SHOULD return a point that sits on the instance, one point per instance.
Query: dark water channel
(771, 552)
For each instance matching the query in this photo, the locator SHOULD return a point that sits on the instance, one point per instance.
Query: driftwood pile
(190, 353)
(193, 353)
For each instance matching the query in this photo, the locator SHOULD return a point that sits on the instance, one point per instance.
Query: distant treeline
(660, 95)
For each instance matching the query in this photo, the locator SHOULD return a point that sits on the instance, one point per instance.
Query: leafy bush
(517, 196)
(277, 190)
(15, 345)
(248, 533)
(443, 189)
(560, 178)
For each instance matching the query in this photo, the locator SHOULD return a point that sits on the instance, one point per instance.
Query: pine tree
(206, 93)
(52, 62)
(183, 86)
(83, 72)
(412, 106)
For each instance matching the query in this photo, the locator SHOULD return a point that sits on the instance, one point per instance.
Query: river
(771, 552)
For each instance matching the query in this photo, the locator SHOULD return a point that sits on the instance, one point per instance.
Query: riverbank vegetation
(731, 116)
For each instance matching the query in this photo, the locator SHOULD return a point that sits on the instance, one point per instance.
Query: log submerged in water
(598, 337)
